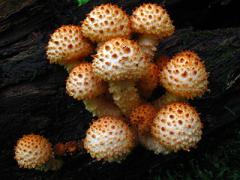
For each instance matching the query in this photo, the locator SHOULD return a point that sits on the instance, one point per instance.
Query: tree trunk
(32, 92)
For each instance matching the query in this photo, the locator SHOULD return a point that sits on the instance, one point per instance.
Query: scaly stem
(125, 95)
(102, 106)
(149, 44)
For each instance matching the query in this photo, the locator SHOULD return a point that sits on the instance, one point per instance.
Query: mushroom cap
(177, 126)
(152, 19)
(67, 44)
(149, 81)
(185, 75)
(142, 118)
(33, 151)
(83, 84)
(105, 22)
(109, 139)
(152, 144)
(120, 59)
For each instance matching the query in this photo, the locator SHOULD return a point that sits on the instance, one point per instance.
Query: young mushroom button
(33, 151)
(109, 139)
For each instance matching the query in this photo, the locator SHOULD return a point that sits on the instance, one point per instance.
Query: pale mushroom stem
(167, 98)
(149, 44)
(125, 95)
(102, 106)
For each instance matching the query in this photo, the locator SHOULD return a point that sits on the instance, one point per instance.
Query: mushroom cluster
(117, 85)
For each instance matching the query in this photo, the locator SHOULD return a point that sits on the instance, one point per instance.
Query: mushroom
(153, 24)
(177, 126)
(67, 46)
(109, 139)
(105, 22)
(121, 62)
(185, 75)
(141, 119)
(82, 84)
(149, 81)
(33, 151)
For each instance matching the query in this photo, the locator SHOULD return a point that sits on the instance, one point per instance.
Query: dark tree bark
(32, 92)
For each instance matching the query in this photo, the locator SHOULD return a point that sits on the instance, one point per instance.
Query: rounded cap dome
(152, 19)
(109, 139)
(142, 117)
(32, 151)
(105, 22)
(83, 84)
(67, 44)
(149, 81)
(185, 75)
(120, 59)
(177, 126)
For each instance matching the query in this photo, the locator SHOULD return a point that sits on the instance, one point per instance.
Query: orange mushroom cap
(177, 126)
(83, 84)
(33, 151)
(67, 45)
(152, 19)
(105, 22)
(185, 75)
(120, 59)
(109, 139)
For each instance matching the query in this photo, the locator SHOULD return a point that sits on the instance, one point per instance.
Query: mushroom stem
(148, 44)
(167, 98)
(125, 95)
(102, 106)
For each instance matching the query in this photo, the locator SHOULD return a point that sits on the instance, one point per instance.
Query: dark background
(33, 98)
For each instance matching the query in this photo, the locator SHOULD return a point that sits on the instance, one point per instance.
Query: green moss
(82, 2)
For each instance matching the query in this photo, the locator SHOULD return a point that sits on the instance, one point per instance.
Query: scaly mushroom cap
(120, 59)
(67, 44)
(177, 126)
(105, 22)
(185, 75)
(109, 139)
(33, 151)
(142, 117)
(152, 144)
(83, 84)
(149, 81)
(152, 19)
